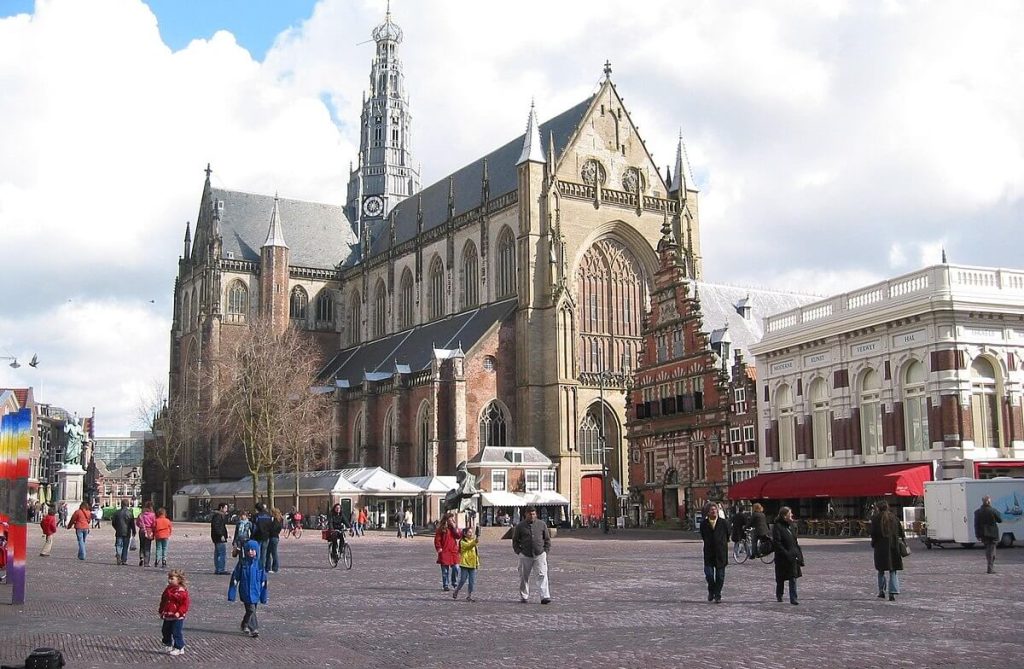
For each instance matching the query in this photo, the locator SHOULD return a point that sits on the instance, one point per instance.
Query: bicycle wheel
(765, 550)
(740, 552)
(297, 532)
(346, 556)
(332, 555)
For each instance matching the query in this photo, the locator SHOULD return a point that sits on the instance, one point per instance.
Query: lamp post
(605, 483)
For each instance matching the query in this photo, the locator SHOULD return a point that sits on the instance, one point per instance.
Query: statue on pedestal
(75, 439)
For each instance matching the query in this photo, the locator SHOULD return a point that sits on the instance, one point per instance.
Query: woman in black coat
(788, 556)
(886, 532)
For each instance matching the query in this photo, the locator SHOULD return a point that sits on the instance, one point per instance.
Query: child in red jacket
(174, 605)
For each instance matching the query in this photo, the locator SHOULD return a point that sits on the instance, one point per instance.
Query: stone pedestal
(71, 479)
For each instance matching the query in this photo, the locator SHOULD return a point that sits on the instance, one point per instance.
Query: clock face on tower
(373, 205)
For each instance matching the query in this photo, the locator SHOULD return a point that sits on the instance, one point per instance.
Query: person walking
(219, 536)
(715, 533)
(49, 527)
(361, 518)
(249, 585)
(97, 514)
(261, 525)
(62, 514)
(446, 543)
(531, 541)
(469, 562)
(886, 534)
(986, 529)
(174, 604)
(789, 558)
(162, 529)
(407, 524)
(145, 523)
(81, 521)
(123, 523)
(270, 564)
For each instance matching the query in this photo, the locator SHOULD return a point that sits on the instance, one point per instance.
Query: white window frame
(499, 480)
(532, 480)
(548, 481)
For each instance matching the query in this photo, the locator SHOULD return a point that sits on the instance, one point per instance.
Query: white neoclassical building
(872, 392)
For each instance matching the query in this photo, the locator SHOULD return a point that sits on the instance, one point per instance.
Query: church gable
(607, 148)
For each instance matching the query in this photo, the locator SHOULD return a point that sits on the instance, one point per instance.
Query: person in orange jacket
(81, 521)
(49, 527)
(161, 533)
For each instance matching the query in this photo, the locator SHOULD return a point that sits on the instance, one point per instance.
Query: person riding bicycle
(759, 525)
(338, 521)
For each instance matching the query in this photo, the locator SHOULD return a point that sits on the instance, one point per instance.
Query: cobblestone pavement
(628, 600)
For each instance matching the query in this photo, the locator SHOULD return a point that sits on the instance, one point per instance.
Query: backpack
(44, 658)
(243, 531)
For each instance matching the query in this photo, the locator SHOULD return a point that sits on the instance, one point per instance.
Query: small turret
(532, 149)
(188, 240)
(275, 236)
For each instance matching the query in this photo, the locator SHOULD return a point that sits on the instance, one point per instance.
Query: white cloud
(833, 143)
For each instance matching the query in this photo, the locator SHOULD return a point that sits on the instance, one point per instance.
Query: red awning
(903, 480)
(996, 464)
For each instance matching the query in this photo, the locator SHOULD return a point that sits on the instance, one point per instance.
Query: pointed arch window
(915, 407)
(355, 318)
(470, 277)
(424, 441)
(380, 310)
(871, 413)
(591, 440)
(610, 284)
(389, 452)
(195, 307)
(298, 304)
(186, 312)
(238, 302)
(506, 285)
(325, 308)
(435, 295)
(405, 301)
(493, 426)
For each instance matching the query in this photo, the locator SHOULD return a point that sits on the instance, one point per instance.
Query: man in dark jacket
(219, 535)
(531, 541)
(123, 523)
(986, 529)
(715, 531)
(262, 524)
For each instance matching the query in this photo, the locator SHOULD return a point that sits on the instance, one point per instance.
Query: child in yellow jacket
(469, 562)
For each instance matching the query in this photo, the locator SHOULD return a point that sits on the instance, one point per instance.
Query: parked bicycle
(338, 549)
(748, 548)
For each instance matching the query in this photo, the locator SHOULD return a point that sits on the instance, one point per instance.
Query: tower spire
(533, 151)
(188, 239)
(275, 237)
(683, 178)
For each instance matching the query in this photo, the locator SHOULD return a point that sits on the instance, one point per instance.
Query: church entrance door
(592, 498)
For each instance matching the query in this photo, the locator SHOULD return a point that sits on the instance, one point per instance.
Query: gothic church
(500, 306)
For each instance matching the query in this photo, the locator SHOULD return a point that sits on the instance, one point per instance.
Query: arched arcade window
(297, 305)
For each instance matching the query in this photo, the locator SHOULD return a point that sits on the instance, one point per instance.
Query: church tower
(385, 174)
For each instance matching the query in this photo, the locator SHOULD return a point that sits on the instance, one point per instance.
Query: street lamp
(601, 376)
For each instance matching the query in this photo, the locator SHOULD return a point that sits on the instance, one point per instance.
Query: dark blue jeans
(270, 561)
(220, 556)
(715, 577)
(449, 575)
(172, 630)
(121, 547)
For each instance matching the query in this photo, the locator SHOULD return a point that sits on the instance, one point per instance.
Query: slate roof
(415, 347)
(719, 305)
(318, 235)
(467, 181)
(495, 456)
(438, 484)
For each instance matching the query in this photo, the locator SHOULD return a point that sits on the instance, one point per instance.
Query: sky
(834, 143)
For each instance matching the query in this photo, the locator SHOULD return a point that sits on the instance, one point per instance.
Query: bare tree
(173, 425)
(266, 404)
(305, 447)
